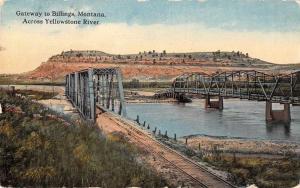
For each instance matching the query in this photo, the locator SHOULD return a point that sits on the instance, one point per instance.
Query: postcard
(150, 93)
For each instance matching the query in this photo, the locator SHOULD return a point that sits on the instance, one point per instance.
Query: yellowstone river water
(240, 118)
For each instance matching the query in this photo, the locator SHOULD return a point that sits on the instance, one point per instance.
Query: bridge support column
(278, 115)
(214, 104)
(91, 94)
(76, 88)
(69, 85)
(122, 110)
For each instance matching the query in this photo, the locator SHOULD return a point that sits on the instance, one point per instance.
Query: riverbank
(40, 147)
(175, 167)
(263, 170)
(112, 129)
(145, 95)
(243, 145)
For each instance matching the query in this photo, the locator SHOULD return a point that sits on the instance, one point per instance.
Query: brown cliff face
(144, 66)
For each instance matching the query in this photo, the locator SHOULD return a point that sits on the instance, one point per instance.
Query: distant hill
(150, 65)
(217, 58)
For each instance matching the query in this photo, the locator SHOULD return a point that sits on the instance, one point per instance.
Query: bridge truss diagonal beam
(245, 84)
(87, 89)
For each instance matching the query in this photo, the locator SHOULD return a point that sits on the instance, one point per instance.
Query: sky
(266, 29)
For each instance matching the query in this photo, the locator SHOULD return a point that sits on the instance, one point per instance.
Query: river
(240, 118)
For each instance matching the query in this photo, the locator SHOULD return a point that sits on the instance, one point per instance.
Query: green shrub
(53, 151)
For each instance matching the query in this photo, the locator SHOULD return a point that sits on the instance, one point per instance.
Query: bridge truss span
(244, 84)
(252, 85)
(89, 88)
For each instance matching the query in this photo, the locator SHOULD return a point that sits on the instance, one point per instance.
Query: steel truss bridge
(90, 88)
(246, 84)
(252, 85)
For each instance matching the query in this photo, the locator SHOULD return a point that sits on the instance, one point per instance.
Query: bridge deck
(229, 94)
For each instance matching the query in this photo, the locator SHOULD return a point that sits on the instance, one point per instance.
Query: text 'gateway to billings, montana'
(60, 17)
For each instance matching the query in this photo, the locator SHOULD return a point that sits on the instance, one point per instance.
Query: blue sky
(239, 15)
(266, 29)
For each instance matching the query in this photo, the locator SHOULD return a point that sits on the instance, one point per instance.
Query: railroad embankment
(39, 147)
(174, 166)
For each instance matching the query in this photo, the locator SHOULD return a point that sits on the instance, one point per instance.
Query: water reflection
(278, 128)
(240, 118)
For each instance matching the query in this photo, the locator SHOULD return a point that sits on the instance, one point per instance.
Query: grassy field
(40, 148)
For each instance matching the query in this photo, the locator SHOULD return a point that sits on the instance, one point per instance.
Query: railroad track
(198, 182)
(196, 172)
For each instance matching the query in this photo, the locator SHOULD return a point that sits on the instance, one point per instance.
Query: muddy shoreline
(243, 146)
(239, 138)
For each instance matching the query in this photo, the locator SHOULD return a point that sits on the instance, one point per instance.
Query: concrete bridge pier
(175, 95)
(278, 115)
(214, 104)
